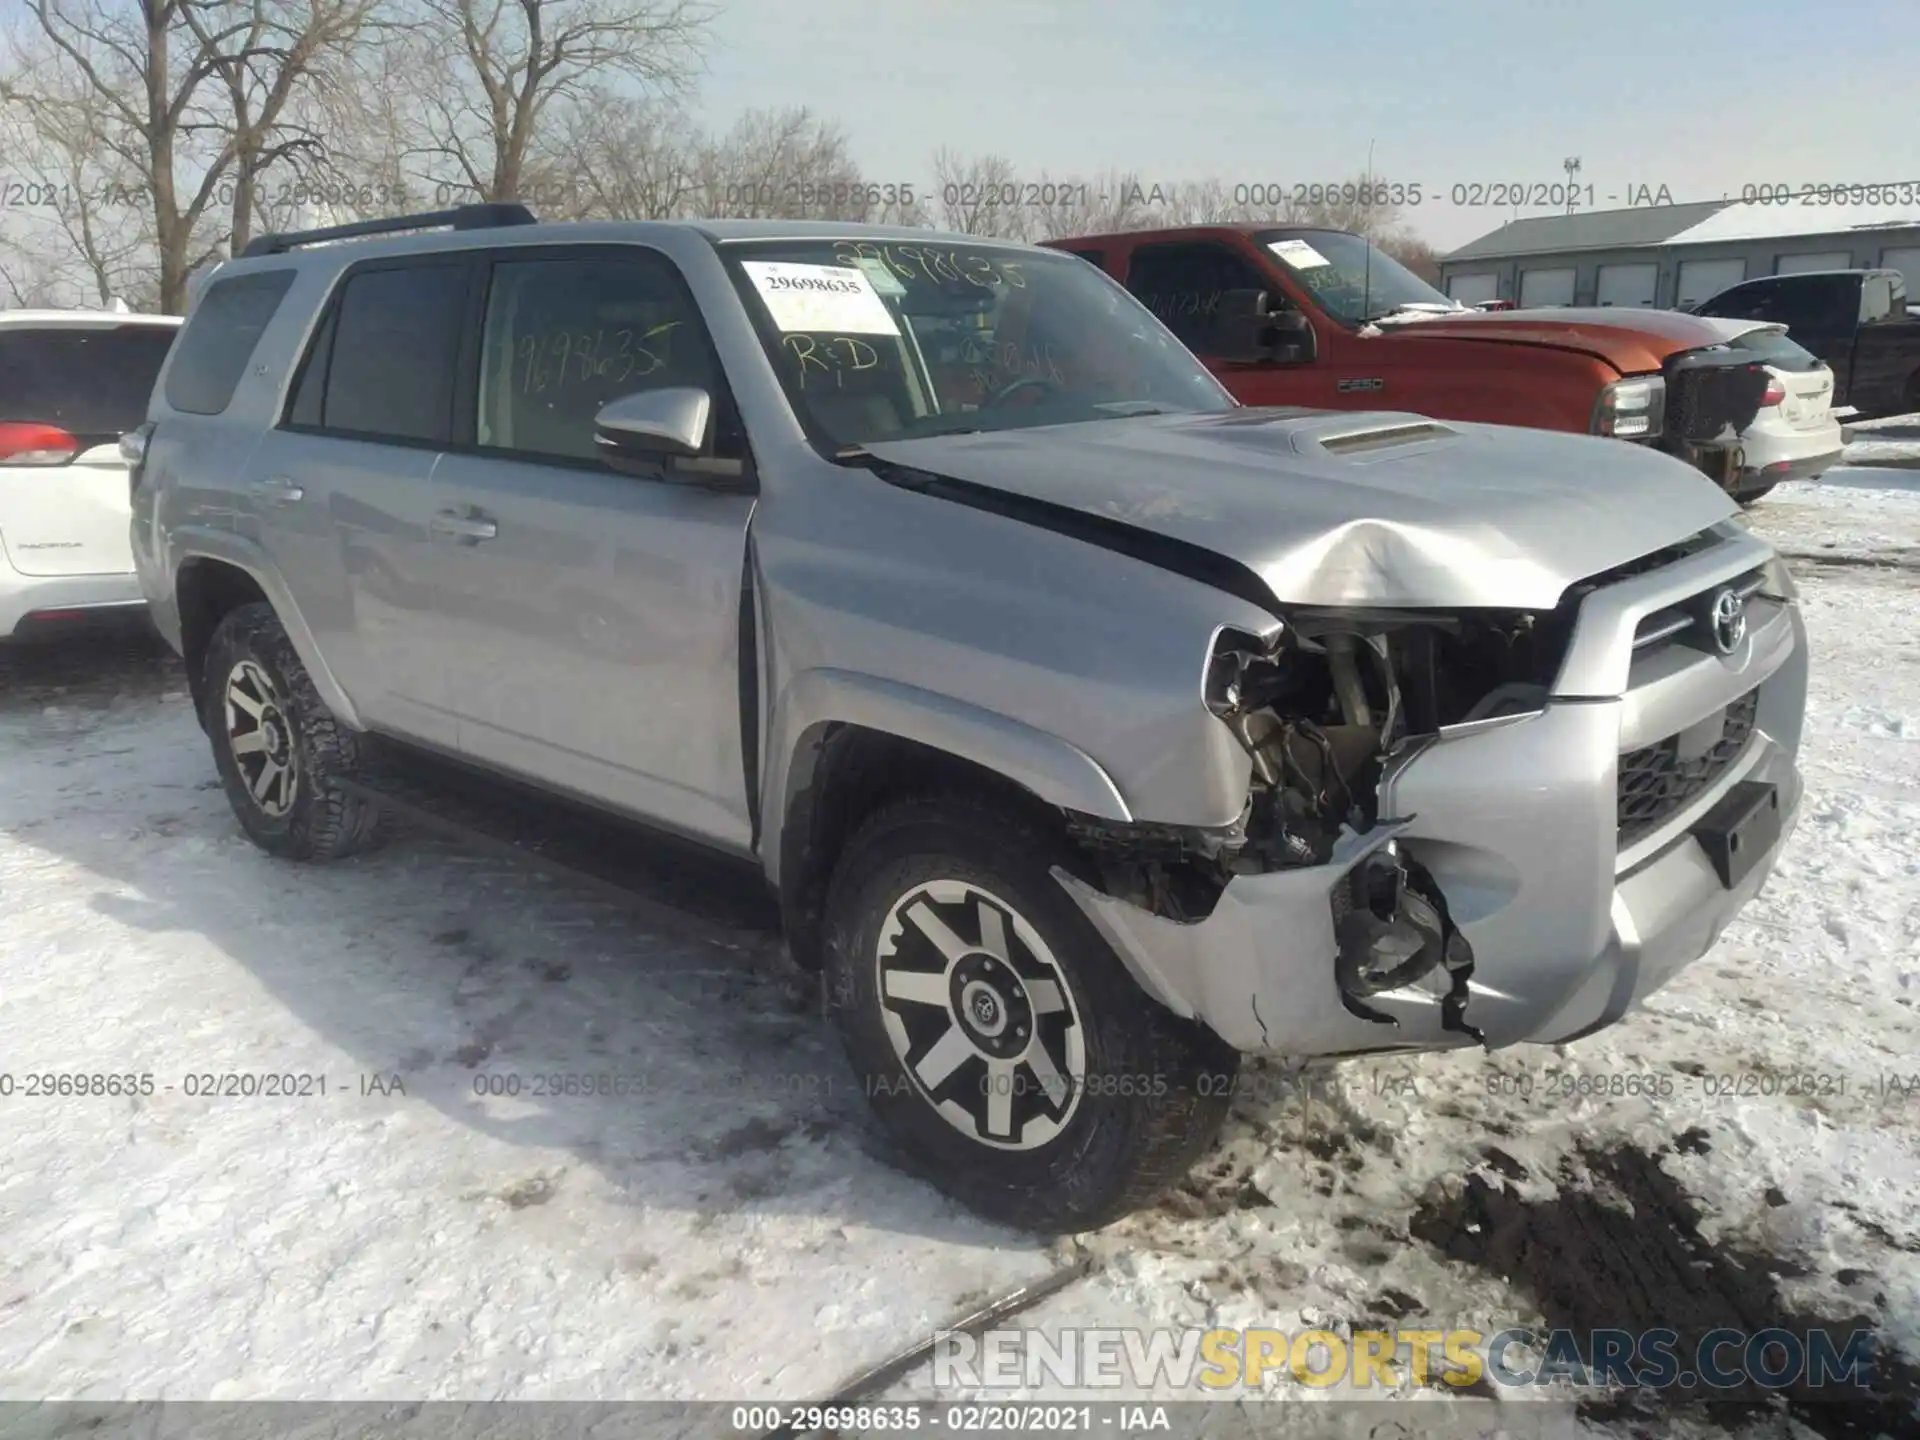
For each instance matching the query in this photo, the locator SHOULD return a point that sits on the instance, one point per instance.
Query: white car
(1796, 435)
(72, 382)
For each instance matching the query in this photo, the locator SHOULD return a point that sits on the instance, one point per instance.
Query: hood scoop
(1379, 437)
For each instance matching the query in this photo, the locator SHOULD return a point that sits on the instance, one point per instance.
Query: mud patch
(1619, 1248)
(1804, 561)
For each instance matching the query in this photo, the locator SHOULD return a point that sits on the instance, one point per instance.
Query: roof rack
(461, 217)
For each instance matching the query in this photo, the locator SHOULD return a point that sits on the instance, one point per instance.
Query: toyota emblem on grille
(1729, 620)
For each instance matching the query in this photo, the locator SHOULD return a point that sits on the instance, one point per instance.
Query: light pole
(1572, 166)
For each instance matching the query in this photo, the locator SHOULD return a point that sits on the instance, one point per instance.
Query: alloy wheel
(980, 1015)
(261, 738)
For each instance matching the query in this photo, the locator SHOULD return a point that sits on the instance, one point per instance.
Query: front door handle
(463, 527)
(277, 490)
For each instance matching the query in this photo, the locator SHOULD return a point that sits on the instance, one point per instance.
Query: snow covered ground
(722, 1228)
(1892, 441)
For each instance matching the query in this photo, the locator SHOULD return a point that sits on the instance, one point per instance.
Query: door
(68, 392)
(1546, 287)
(344, 488)
(1182, 283)
(1818, 260)
(1626, 284)
(1703, 279)
(1473, 289)
(591, 628)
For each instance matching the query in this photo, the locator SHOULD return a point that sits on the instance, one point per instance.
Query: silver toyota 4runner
(1091, 729)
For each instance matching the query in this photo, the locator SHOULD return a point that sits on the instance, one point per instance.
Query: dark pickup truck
(1858, 321)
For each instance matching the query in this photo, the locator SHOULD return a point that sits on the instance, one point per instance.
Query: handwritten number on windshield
(831, 356)
(927, 262)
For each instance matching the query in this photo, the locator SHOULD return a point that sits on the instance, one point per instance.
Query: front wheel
(1000, 1041)
(279, 750)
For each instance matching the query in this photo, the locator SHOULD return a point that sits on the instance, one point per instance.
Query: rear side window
(1772, 347)
(219, 340)
(94, 382)
(1880, 301)
(391, 352)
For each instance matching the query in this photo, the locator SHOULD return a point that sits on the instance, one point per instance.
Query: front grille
(1655, 783)
(1710, 400)
(1692, 618)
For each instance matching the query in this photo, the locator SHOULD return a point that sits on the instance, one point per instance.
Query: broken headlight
(1631, 409)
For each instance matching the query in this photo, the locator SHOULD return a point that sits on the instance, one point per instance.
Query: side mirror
(1248, 331)
(654, 425)
(662, 435)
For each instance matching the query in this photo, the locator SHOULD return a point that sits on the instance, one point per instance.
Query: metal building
(1669, 256)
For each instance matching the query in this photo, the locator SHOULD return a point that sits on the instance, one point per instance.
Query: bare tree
(613, 157)
(979, 195)
(486, 72)
(262, 53)
(781, 165)
(82, 230)
(1413, 252)
(187, 92)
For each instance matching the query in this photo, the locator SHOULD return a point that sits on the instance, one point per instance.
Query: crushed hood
(1338, 508)
(1633, 341)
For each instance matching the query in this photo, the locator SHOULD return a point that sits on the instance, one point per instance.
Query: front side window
(1743, 302)
(565, 336)
(893, 340)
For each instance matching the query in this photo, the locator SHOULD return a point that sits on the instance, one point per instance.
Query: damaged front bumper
(1573, 909)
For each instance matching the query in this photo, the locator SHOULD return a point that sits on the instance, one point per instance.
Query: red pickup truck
(1289, 315)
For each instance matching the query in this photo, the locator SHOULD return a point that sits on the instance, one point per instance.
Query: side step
(671, 883)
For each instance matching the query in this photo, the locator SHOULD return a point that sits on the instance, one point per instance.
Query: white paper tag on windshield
(839, 299)
(1298, 253)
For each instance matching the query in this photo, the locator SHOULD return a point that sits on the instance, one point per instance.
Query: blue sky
(1701, 96)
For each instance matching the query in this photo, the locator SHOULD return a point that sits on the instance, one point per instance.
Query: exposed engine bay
(1322, 707)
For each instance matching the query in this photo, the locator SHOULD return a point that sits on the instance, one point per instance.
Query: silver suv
(1090, 729)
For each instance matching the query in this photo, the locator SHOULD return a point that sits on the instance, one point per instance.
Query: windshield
(1353, 281)
(893, 340)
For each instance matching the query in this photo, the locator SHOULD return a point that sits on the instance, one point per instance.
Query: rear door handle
(277, 490)
(463, 527)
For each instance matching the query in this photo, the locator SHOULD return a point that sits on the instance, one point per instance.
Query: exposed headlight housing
(1632, 409)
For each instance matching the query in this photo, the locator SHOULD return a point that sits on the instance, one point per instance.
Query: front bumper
(1517, 823)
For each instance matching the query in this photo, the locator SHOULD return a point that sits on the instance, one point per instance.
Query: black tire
(302, 814)
(1751, 497)
(1155, 1089)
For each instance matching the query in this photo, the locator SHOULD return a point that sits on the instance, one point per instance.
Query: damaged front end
(1326, 706)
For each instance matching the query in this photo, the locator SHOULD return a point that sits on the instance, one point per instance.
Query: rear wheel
(1000, 1041)
(280, 752)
